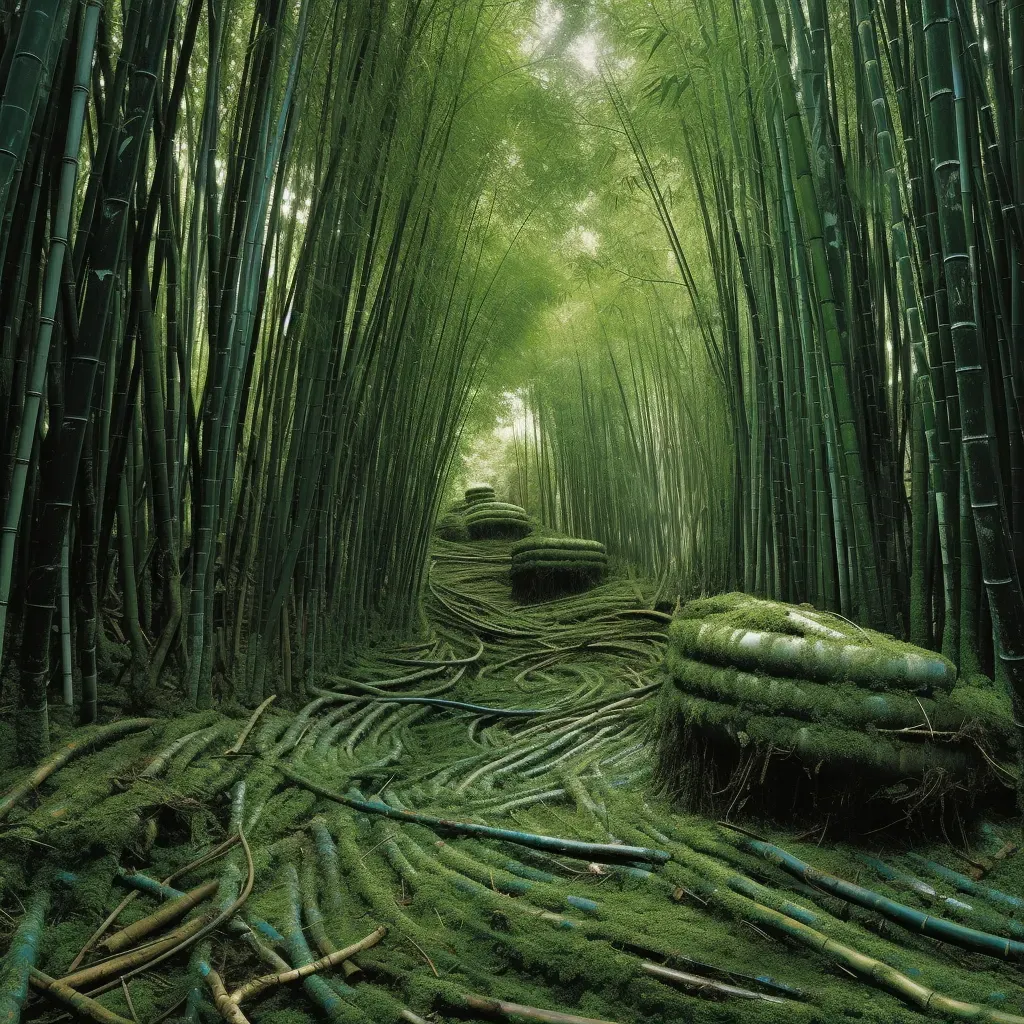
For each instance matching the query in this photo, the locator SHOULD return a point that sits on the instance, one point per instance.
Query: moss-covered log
(969, 708)
(797, 640)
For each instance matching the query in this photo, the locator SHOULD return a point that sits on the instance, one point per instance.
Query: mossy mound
(796, 640)
(788, 712)
(480, 492)
(490, 520)
(452, 526)
(545, 566)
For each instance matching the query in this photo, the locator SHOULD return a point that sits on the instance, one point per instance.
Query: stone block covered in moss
(479, 492)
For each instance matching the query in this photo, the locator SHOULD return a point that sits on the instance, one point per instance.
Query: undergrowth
(478, 916)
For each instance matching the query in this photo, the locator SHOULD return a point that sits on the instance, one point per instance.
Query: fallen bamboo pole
(502, 1008)
(75, 1001)
(912, 920)
(698, 983)
(568, 847)
(251, 988)
(76, 748)
(169, 912)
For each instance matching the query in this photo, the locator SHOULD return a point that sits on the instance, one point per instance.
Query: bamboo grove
(830, 412)
(242, 287)
(750, 276)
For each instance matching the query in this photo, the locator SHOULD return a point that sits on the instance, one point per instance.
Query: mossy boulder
(546, 566)
(790, 712)
(487, 520)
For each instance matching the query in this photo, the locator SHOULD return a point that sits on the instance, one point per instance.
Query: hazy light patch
(586, 51)
(488, 456)
(546, 23)
(585, 204)
(289, 209)
(584, 240)
(516, 421)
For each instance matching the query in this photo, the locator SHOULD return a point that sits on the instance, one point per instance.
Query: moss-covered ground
(485, 916)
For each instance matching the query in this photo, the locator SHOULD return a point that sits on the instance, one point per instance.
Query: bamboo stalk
(226, 1007)
(236, 747)
(503, 1008)
(913, 920)
(169, 912)
(568, 847)
(127, 962)
(698, 983)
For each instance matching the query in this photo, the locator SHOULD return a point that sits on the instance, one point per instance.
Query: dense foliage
(785, 356)
(242, 297)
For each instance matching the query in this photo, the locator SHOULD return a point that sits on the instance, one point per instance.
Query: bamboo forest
(511, 510)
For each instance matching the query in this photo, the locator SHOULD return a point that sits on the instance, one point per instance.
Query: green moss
(557, 543)
(790, 711)
(968, 708)
(750, 633)
(460, 906)
(452, 527)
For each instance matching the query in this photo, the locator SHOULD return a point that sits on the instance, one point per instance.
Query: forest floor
(471, 920)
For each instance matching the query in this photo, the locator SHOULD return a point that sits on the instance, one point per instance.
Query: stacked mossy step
(789, 712)
(487, 520)
(479, 492)
(544, 566)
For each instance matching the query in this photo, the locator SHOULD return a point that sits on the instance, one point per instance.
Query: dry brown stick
(83, 1005)
(135, 958)
(486, 1004)
(236, 747)
(424, 955)
(74, 749)
(160, 918)
(698, 983)
(229, 1010)
(128, 1000)
(98, 934)
(412, 1018)
(251, 988)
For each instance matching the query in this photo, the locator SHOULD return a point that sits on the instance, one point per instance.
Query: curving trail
(536, 723)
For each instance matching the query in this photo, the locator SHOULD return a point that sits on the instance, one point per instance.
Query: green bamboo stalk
(59, 232)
